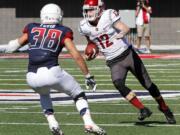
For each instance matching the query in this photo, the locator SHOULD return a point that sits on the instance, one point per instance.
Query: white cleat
(54, 126)
(56, 131)
(95, 130)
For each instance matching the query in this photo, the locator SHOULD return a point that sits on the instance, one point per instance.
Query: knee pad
(80, 96)
(120, 85)
(42, 90)
(154, 91)
(81, 103)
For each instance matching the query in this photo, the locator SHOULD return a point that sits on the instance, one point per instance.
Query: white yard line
(72, 105)
(75, 70)
(16, 84)
(99, 84)
(103, 66)
(13, 75)
(105, 80)
(77, 113)
(80, 124)
(101, 91)
(13, 108)
(163, 65)
(108, 75)
(12, 79)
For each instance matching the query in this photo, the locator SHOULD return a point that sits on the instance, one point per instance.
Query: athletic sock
(161, 103)
(137, 103)
(83, 108)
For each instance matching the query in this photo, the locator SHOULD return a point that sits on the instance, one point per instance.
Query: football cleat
(169, 116)
(94, 129)
(144, 113)
(56, 131)
(53, 125)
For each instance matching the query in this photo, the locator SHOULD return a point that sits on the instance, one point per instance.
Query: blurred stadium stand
(15, 14)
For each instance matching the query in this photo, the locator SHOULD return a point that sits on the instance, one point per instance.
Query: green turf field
(117, 117)
(165, 73)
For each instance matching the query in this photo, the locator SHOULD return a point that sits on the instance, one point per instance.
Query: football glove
(90, 82)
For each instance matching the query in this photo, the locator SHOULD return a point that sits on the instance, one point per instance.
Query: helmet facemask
(91, 17)
(93, 5)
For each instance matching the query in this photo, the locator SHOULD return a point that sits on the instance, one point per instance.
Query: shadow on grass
(148, 123)
(144, 123)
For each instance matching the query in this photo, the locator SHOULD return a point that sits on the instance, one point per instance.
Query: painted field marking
(81, 124)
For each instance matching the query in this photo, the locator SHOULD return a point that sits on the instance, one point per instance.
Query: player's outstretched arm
(13, 45)
(89, 80)
(76, 55)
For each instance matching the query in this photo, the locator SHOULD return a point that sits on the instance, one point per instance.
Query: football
(91, 51)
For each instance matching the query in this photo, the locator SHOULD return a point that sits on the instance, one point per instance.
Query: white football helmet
(96, 5)
(51, 14)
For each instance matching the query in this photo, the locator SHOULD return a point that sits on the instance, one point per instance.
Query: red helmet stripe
(91, 2)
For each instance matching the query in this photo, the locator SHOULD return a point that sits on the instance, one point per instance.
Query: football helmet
(96, 5)
(51, 14)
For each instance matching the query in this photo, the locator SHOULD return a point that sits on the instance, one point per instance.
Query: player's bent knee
(80, 96)
(42, 91)
(81, 103)
(120, 85)
(154, 91)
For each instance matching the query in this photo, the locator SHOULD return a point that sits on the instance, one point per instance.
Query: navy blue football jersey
(45, 44)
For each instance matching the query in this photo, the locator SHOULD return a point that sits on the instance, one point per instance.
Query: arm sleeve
(25, 30)
(114, 16)
(80, 30)
(68, 34)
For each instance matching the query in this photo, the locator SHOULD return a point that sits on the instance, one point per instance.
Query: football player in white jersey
(105, 29)
(46, 40)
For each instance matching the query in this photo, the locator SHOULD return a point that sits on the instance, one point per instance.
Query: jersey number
(105, 38)
(49, 41)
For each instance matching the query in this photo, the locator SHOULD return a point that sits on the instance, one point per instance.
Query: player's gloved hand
(90, 83)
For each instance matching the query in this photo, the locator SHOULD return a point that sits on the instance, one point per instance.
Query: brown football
(91, 50)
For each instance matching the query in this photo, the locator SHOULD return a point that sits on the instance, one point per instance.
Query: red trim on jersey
(25, 30)
(68, 35)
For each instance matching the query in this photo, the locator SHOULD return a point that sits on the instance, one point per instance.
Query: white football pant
(54, 78)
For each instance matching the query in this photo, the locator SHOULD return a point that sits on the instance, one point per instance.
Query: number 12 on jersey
(104, 41)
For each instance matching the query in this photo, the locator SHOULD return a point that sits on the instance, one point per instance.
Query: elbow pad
(12, 46)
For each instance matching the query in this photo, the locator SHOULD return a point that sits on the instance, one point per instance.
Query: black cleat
(144, 113)
(169, 116)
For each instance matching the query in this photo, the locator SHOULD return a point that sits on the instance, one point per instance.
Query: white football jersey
(103, 35)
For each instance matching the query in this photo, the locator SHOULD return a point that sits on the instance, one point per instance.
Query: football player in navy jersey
(46, 40)
(105, 29)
